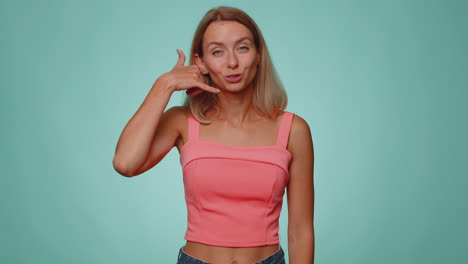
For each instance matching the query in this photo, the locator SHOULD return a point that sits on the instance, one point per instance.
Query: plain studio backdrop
(382, 84)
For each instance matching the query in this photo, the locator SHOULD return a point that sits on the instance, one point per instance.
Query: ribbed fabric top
(234, 194)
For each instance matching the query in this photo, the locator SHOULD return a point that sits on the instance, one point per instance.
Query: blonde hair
(269, 94)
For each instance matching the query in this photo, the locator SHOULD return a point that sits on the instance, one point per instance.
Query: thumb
(181, 60)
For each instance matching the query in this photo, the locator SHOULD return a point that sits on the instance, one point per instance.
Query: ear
(200, 64)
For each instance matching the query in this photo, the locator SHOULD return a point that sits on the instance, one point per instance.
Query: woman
(239, 149)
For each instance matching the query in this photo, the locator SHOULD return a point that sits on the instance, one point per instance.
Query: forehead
(225, 32)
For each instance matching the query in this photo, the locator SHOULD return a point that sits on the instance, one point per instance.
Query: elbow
(122, 169)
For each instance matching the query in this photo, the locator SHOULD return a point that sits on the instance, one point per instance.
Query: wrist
(162, 88)
(164, 84)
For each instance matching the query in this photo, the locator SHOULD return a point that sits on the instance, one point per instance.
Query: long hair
(269, 95)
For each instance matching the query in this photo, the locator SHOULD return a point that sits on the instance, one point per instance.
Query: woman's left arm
(300, 194)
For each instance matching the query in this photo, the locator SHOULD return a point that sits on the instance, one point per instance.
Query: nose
(232, 60)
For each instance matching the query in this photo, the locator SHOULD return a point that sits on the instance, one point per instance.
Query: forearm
(301, 248)
(136, 138)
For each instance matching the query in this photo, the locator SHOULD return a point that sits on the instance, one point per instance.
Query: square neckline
(193, 140)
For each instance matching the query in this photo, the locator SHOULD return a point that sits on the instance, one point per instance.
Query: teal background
(382, 85)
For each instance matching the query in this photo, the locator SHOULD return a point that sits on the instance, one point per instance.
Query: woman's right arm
(151, 133)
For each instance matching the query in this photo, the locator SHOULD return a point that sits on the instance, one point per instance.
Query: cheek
(213, 66)
(254, 61)
(253, 72)
(252, 66)
(250, 61)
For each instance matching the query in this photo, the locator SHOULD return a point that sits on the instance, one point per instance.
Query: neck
(237, 108)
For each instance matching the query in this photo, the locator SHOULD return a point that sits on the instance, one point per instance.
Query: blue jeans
(275, 258)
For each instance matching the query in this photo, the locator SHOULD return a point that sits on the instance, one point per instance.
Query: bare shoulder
(300, 137)
(299, 127)
(175, 117)
(177, 111)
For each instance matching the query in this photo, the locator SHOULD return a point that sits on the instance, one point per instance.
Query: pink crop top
(234, 194)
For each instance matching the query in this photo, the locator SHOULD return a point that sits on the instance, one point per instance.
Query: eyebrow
(237, 41)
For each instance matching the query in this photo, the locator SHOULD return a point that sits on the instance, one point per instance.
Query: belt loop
(180, 253)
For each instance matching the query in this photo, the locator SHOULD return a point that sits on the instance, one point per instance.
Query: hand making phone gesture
(142, 144)
(188, 78)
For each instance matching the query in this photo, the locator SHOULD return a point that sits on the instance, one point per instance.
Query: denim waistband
(275, 258)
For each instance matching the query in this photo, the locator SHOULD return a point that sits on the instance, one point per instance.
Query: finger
(200, 70)
(194, 91)
(198, 91)
(193, 68)
(206, 87)
(200, 76)
(200, 87)
(181, 60)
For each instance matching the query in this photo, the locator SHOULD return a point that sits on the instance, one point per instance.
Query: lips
(233, 78)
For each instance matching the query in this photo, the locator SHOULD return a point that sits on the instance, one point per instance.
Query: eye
(244, 48)
(216, 52)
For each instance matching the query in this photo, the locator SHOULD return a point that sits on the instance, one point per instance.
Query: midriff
(229, 255)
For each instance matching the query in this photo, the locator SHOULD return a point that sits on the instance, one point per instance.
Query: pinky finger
(195, 91)
(206, 87)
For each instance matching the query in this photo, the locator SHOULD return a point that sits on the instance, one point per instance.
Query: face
(229, 55)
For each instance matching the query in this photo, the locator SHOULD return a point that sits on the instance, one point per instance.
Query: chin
(235, 88)
(240, 86)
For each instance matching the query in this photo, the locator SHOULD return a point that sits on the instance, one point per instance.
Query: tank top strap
(285, 127)
(193, 127)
